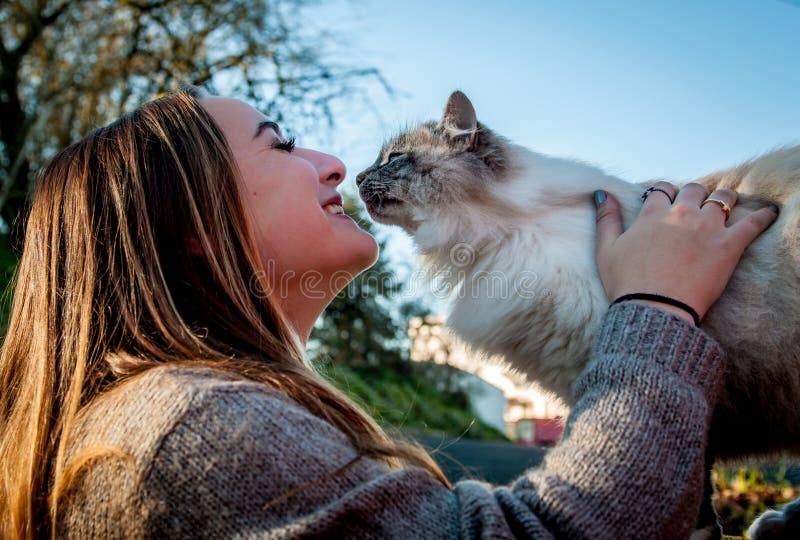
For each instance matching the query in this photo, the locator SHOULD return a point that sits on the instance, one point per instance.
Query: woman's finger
(609, 220)
(743, 232)
(692, 194)
(659, 196)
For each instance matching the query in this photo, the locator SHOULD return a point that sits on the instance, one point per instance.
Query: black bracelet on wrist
(663, 299)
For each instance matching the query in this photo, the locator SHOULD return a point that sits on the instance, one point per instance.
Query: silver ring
(651, 189)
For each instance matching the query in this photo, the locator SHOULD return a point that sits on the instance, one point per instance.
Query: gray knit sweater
(201, 455)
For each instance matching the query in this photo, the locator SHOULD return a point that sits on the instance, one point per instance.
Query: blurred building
(529, 415)
(487, 401)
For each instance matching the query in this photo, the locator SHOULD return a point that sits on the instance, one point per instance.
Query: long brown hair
(108, 287)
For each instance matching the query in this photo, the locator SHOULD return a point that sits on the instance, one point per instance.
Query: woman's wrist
(658, 300)
(669, 308)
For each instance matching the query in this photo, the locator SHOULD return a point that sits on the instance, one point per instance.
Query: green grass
(411, 402)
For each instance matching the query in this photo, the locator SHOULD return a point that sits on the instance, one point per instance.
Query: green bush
(745, 493)
(8, 263)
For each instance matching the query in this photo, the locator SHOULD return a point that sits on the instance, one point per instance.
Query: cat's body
(512, 233)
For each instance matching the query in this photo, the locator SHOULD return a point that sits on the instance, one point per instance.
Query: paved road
(500, 462)
(495, 462)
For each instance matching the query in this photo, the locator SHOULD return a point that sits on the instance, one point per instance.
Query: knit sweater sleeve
(249, 463)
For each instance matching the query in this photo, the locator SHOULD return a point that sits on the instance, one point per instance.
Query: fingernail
(774, 208)
(599, 197)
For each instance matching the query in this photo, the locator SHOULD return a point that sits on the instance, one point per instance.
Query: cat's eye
(393, 156)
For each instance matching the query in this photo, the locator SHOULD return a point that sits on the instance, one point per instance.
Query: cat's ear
(459, 116)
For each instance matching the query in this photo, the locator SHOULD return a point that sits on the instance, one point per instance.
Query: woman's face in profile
(291, 199)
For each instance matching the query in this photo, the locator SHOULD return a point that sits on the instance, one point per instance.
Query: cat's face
(433, 168)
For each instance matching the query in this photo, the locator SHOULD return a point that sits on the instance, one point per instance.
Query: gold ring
(725, 208)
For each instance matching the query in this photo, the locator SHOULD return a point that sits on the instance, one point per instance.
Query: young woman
(153, 380)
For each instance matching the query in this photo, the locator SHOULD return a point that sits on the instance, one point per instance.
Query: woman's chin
(365, 251)
(355, 251)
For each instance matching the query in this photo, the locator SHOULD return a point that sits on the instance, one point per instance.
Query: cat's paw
(781, 524)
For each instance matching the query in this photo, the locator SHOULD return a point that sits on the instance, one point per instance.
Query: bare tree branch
(71, 65)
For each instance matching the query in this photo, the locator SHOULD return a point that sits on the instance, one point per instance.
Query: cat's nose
(360, 178)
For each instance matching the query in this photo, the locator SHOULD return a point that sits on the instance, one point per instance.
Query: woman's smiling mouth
(333, 208)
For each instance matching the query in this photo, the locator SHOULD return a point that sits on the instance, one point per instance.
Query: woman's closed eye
(287, 145)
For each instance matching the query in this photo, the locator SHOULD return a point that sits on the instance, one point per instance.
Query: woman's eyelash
(287, 145)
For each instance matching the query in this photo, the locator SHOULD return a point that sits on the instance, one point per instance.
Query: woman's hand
(679, 249)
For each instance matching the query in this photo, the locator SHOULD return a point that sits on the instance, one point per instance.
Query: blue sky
(673, 89)
(644, 89)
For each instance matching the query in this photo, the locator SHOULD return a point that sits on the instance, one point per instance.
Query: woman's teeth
(333, 209)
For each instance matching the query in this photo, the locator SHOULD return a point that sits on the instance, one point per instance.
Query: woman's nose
(331, 169)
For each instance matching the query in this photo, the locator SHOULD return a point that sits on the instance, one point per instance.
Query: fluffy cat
(511, 234)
